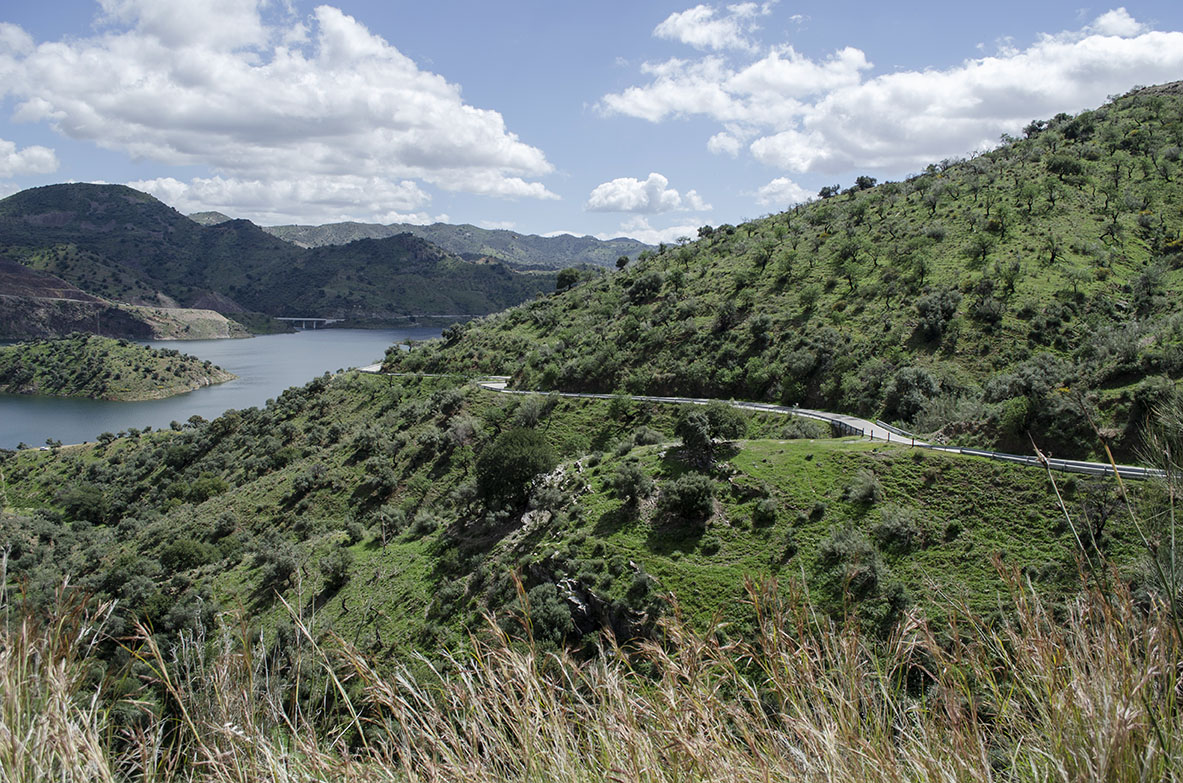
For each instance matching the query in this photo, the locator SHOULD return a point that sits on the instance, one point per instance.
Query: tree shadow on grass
(671, 533)
(605, 438)
(616, 520)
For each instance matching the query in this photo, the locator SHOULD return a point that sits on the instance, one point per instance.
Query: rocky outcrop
(29, 318)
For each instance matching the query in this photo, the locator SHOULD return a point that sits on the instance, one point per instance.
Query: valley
(116, 261)
(625, 522)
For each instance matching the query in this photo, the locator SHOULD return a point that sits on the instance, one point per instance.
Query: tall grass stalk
(51, 719)
(1086, 692)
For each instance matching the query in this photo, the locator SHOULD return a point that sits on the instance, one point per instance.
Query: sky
(612, 118)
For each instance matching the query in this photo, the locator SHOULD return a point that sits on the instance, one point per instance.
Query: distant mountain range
(468, 242)
(119, 245)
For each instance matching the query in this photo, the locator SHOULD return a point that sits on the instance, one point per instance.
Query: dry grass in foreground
(1089, 694)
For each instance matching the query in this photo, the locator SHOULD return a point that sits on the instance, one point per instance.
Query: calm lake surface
(265, 366)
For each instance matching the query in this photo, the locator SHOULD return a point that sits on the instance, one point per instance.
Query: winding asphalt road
(843, 424)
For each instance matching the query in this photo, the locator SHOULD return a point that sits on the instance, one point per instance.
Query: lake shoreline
(265, 366)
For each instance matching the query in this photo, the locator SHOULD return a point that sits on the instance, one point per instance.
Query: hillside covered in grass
(102, 368)
(1031, 289)
(400, 511)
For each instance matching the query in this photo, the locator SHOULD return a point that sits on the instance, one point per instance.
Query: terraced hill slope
(370, 499)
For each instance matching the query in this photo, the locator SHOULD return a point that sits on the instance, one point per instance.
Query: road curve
(874, 430)
(850, 425)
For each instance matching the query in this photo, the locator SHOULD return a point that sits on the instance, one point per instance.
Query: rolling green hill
(341, 547)
(398, 506)
(1032, 288)
(379, 279)
(379, 501)
(100, 368)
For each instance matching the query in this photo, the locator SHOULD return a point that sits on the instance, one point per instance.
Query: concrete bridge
(309, 322)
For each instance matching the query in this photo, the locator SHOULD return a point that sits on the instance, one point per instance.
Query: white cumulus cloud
(701, 28)
(1117, 22)
(725, 143)
(267, 102)
(782, 192)
(830, 115)
(26, 160)
(638, 228)
(650, 196)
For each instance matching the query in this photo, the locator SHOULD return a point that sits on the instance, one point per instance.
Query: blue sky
(609, 118)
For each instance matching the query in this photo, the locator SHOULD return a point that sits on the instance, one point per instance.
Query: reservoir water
(265, 366)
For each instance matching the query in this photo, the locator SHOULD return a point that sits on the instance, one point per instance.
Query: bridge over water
(309, 322)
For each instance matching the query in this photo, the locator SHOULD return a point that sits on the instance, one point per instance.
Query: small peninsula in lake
(102, 368)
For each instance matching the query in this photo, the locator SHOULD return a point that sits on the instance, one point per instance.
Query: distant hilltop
(466, 241)
(113, 260)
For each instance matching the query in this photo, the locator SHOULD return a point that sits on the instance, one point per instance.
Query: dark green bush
(936, 309)
(690, 498)
(630, 482)
(764, 512)
(334, 567)
(508, 466)
(909, 390)
(185, 553)
(550, 617)
(898, 529)
(851, 562)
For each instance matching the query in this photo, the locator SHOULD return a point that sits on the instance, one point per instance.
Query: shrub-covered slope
(1025, 289)
(397, 510)
(101, 368)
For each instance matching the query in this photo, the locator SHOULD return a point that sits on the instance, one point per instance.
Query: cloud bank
(274, 106)
(826, 116)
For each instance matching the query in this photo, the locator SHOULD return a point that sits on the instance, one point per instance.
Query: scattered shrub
(647, 436)
(550, 617)
(909, 391)
(800, 428)
(852, 562)
(334, 567)
(508, 466)
(764, 512)
(690, 497)
(936, 309)
(183, 554)
(898, 530)
(863, 488)
(630, 482)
